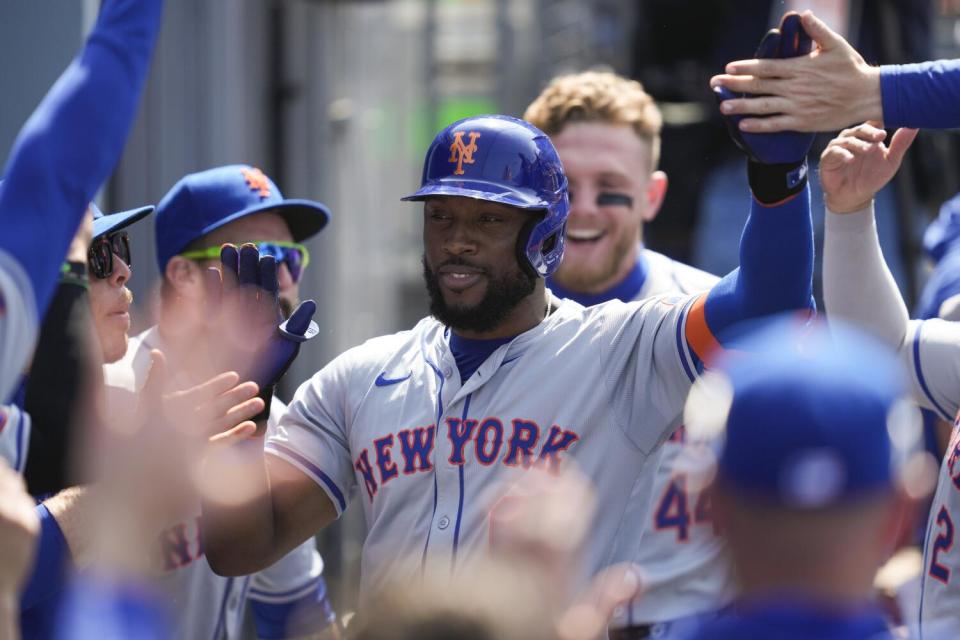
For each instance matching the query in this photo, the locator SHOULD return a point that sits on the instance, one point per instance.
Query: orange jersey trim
(699, 337)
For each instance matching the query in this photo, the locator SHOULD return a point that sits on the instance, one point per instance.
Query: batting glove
(777, 165)
(248, 293)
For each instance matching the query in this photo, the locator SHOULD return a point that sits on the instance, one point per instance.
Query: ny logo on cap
(257, 181)
(463, 153)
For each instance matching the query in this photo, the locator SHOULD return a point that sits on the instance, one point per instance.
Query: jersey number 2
(943, 542)
(673, 510)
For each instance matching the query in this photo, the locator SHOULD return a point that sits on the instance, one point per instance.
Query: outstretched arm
(776, 249)
(834, 87)
(857, 284)
(256, 508)
(72, 141)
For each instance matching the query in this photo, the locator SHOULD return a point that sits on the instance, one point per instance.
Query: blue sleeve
(109, 608)
(49, 573)
(776, 268)
(942, 284)
(70, 144)
(924, 95)
(305, 615)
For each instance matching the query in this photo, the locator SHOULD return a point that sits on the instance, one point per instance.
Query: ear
(656, 191)
(183, 275)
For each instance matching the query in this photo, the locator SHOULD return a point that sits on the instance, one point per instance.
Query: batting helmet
(509, 161)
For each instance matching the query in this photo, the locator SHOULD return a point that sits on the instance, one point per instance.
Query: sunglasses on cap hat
(104, 249)
(292, 254)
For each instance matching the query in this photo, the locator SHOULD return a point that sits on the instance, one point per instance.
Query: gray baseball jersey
(430, 453)
(932, 356)
(18, 323)
(685, 569)
(208, 605)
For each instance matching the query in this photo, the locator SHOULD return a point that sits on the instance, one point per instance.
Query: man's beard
(501, 297)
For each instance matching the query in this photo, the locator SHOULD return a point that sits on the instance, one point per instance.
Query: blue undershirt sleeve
(308, 614)
(70, 144)
(775, 273)
(924, 95)
(49, 573)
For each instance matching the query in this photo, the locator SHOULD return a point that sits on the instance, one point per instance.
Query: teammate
(433, 424)
(607, 132)
(858, 287)
(230, 204)
(61, 157)
(806, 486)
(834, 87)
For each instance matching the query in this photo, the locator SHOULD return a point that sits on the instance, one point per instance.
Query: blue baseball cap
(202, 202)
(110, 222)
(808, 419)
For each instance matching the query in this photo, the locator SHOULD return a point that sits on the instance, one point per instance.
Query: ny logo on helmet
(463, 153)
(257, 181)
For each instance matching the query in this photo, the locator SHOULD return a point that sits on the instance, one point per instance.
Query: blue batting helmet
(509, 161)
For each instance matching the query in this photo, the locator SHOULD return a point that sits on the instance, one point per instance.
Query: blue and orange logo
(257, 181)
(463, 153)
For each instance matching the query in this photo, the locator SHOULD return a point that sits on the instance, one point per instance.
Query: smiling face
(612, 193)
(471, 269)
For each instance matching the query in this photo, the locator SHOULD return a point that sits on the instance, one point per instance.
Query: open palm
(857, 164)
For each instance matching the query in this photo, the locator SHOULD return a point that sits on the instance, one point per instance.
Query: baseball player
(834, 87)
(230, 204)
(607, 132)
(858, 287)
(61, 157)
(431, 425)
(107, 258)
(806, 483)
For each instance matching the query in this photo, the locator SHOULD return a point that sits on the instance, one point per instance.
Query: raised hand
(147, 459)
(857, 164)
(821, 90)
(789, 147)
(245, 313)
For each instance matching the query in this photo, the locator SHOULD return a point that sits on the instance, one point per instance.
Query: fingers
(221, 403)
(202, 393)
(804, 41)
(269, 291)
(825, 37)
(835, 156)
(775, 124)
(268, 276)
(299, 320)
(769, 46)
(230, 259)
(900, 142)
(763, 105)
(240, 432)
(865, 131)
(249, 265)
(766, 68)
(855, 145)
(792, 36)
(237, 414)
